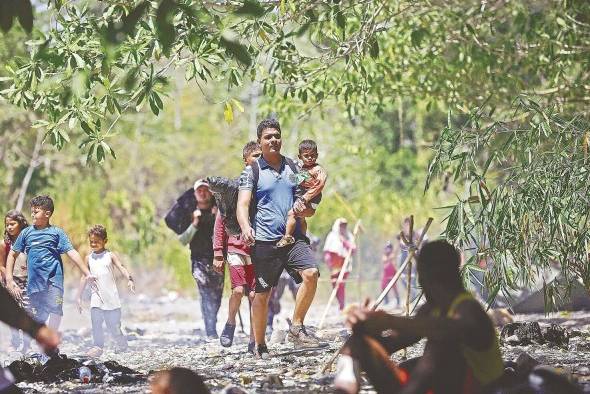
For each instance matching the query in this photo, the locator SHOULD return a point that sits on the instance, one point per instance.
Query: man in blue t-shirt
(273, 194)
(43, 244)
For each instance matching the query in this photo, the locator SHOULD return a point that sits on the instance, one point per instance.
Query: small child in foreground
(310, 183)
(105, 304)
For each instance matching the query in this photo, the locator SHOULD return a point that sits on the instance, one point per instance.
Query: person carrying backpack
(270, 184)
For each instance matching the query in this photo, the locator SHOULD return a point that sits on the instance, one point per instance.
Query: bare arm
(77, 259)
(124, 271)
(3, 257)
(243, 216)
(10, 285)
(81, 287)
(318, 186)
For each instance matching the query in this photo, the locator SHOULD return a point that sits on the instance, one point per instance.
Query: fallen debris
(60, 368)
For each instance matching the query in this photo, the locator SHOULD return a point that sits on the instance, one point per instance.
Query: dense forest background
(472, 112)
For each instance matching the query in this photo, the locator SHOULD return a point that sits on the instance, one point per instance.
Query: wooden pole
(340, 278)
(387, 289)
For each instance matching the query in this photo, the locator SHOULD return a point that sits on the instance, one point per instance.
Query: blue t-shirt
(275, 194)
(44, 248)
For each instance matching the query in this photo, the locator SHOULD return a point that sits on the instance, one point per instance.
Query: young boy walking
(231, 248)
(310, 180)
(43, 244)
(105, 305)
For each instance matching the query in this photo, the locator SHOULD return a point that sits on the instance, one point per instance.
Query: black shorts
(270, 261)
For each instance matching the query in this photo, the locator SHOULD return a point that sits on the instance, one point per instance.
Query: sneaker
(262, 352)
(227, 335)
(300, 338)
(286, 240)
(251, 347)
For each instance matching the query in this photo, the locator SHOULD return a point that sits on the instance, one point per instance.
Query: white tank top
(101, 267)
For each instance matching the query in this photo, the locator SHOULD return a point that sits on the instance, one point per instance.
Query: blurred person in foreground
(462, 354)
(15, 316)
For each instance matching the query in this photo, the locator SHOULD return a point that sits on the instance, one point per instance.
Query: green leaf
(417, 36)
(251, 8)
(237, 50)
(341, 20)
(25, 15)
(228, 113)
(164, 24)
(7, 8)
(238, 105)
(374, 48)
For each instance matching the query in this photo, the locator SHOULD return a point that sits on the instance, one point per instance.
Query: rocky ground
(171, 335)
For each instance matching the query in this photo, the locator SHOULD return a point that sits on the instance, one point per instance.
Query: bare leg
(259, 316)
(251, 299)
(234, 304)
(305, 294)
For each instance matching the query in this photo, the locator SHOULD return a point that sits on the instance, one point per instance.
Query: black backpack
(225, 192)
(180, 215)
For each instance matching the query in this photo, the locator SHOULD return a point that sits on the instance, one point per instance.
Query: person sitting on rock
(461, 355)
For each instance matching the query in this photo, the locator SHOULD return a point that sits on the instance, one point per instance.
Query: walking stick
(241, 321)
(409, 276)
(387, 289)
(340, 276)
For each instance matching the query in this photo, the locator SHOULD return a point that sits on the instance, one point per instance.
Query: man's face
(270, 141)
(252, 156)
(203, 194)
(39, 216)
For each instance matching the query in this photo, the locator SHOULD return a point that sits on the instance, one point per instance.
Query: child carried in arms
(462, 354)
(310, 181)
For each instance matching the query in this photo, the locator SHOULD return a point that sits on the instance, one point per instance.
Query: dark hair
(18, 217)
(186, 381)
(269, 123)
(439, 259)
(306, 145)
(43, 202)
(99, 231)
(250, 147)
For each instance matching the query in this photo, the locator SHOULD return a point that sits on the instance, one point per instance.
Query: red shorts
(242, 275)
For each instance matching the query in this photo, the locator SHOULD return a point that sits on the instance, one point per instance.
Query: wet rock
(525, 364)
(555, 335)
(522, 333)
(272, 382)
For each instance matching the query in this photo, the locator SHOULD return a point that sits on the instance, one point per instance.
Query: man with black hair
(462, 354)
(270, 184)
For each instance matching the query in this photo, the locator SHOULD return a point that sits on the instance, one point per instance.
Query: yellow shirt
(486, 365)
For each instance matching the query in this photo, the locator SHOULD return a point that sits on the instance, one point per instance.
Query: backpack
(225, 192)
(180, 215)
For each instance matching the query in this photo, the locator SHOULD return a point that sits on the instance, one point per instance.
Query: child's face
(253, 156)
(97, 243)
(308, 157)
(40, 216)
(12, 227)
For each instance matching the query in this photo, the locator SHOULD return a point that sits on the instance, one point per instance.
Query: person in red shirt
(339, 243)
(230, 248)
